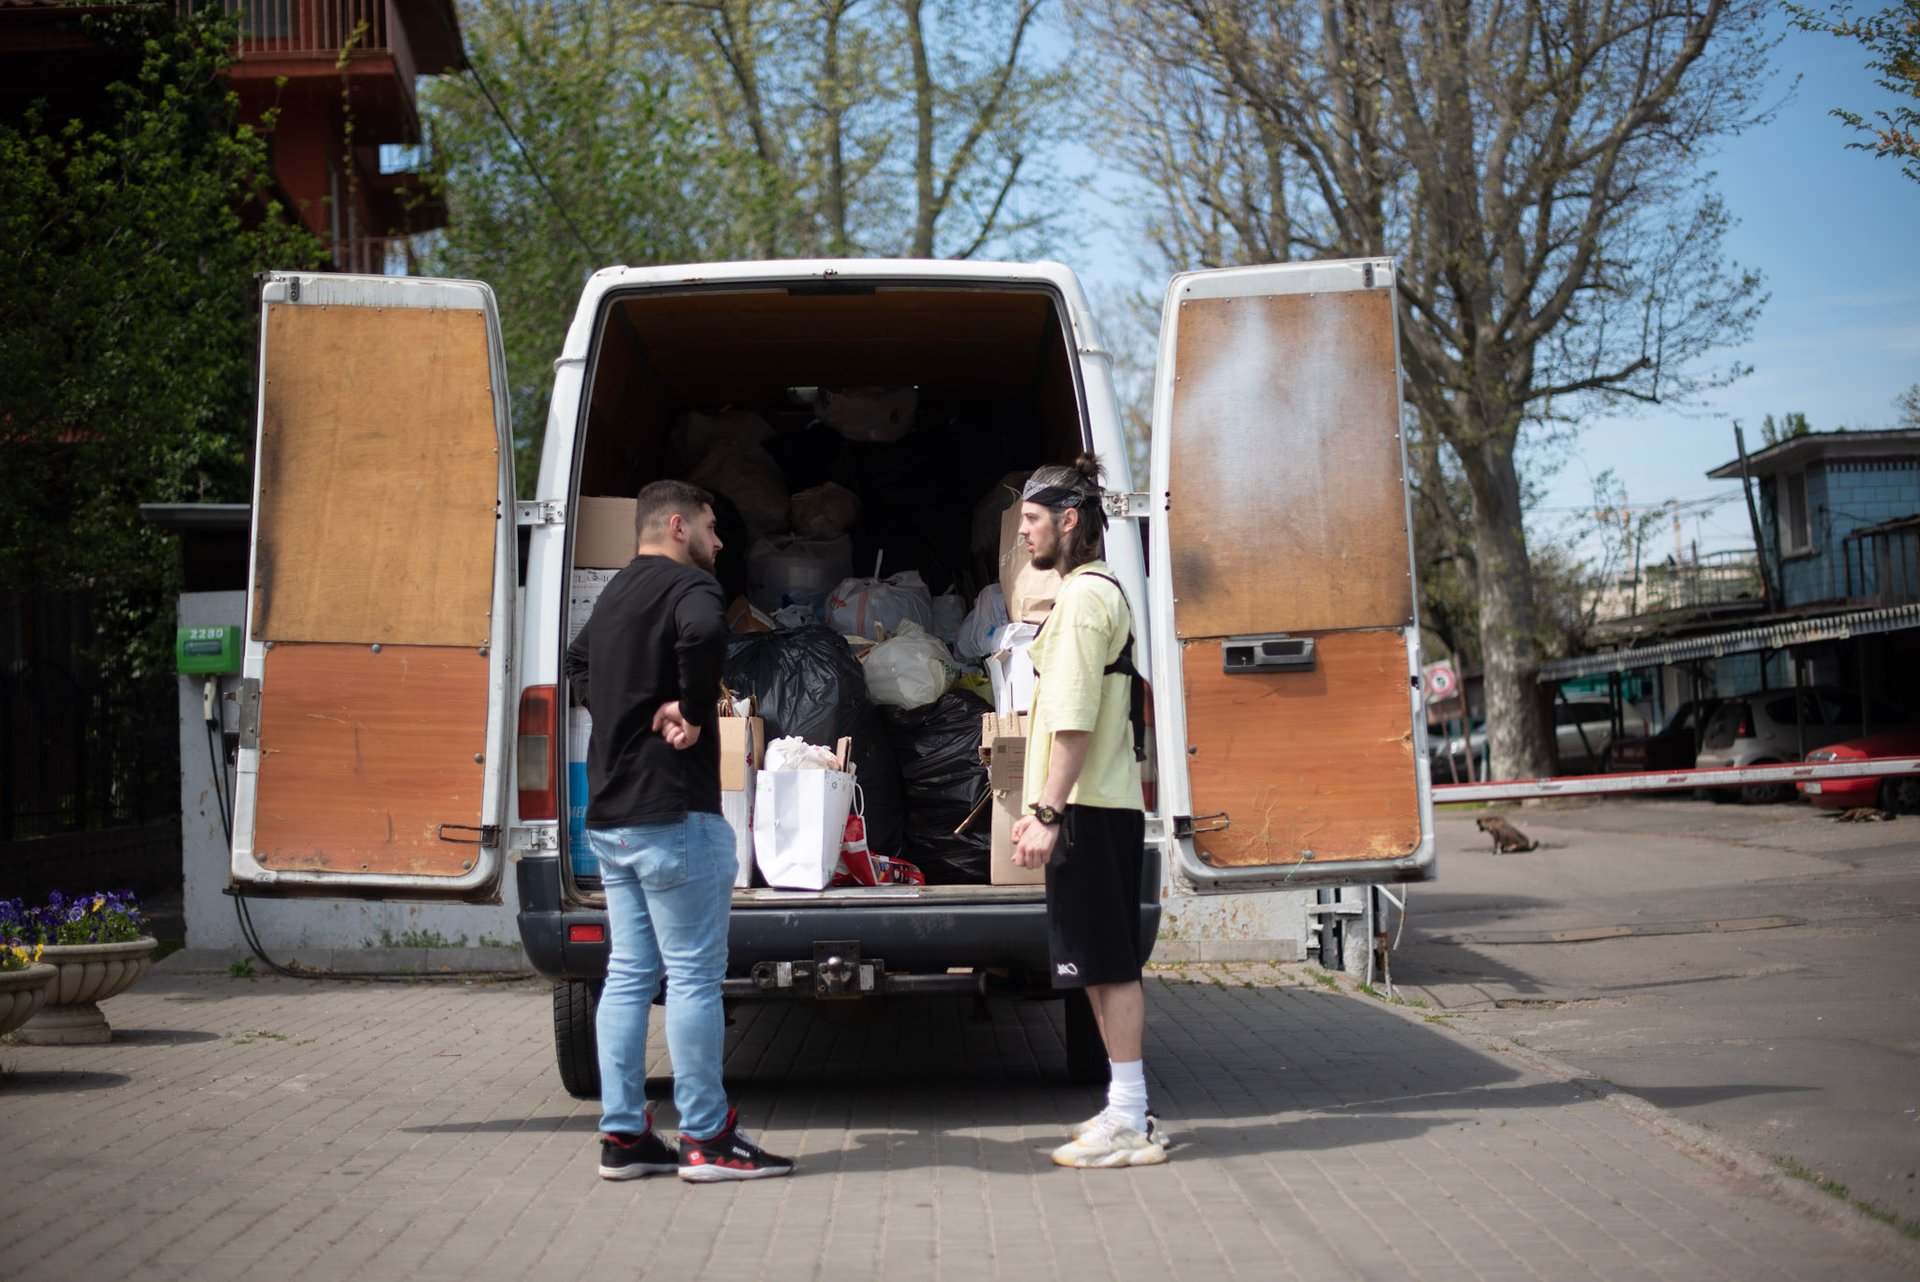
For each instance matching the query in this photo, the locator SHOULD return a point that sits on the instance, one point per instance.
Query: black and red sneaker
(628, 1157)
(730, 1155)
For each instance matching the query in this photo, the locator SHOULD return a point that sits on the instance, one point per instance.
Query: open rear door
(380, 605)
(1286, 648)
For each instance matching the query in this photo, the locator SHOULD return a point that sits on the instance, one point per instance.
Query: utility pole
(1753, 519)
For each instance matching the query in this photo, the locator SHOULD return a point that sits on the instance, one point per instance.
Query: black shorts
(1093, 897)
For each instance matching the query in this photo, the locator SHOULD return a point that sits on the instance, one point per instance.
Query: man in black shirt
(647, 665)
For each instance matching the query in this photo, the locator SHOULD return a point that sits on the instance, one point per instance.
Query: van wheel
(574, 1046)
(1086, 1053)
(1765, 794)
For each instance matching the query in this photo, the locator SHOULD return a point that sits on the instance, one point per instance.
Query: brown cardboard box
(603, 532)
(743, 745)
(1030, 593)
(1003, 743)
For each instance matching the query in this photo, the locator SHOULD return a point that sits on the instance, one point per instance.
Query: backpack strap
(1122, 667)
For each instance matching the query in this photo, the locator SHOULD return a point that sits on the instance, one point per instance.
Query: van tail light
(534, 761)
(1746, 725)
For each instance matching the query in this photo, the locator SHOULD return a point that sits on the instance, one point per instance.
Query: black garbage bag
(938, 749)
(808, 683)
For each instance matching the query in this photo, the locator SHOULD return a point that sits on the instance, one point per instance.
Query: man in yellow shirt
(1086, 824)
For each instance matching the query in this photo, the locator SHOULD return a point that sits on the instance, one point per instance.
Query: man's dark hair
(662, 500)
(1075, 485)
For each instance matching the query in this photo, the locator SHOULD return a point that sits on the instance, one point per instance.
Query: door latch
(1188, 825)
(489, 834)
(1279, 653)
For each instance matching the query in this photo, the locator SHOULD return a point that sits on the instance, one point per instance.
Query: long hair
(1082, 479)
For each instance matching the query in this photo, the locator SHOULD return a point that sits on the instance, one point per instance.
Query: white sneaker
(1153, 1127)
(1107, 1140)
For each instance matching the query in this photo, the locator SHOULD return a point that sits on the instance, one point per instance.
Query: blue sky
(1835, 232)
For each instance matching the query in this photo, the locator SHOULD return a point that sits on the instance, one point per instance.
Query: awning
(1831, 627)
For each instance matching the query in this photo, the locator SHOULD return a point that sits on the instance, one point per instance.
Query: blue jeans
(669, 887)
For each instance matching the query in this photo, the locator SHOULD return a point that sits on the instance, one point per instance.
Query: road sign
(1439, 682)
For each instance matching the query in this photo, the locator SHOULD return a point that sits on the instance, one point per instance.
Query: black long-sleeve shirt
(657, 634)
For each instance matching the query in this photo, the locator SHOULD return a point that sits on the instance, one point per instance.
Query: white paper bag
(736, 807)
(799, 821)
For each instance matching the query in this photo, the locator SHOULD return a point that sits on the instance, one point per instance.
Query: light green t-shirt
(1086, 631)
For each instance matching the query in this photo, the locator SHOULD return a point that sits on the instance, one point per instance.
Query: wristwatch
(1045, 814)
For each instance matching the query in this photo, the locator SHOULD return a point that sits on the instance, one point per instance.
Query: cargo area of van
(851, 432)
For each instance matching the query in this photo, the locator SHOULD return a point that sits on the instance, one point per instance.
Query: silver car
(1770, 727)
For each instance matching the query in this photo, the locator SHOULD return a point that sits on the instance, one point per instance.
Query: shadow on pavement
(1681, 1097)
(37, 1082)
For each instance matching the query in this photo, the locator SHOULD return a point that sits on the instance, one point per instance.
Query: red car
(1898, 793)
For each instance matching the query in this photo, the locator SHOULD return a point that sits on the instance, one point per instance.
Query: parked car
(1770, 727)
(1673, 748)
(1582, 730)
(1898, 793)
(1440, 746)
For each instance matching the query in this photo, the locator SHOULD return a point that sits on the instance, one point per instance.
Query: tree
(1791, 424)
(1908, 403)
(563, 155)
(1892, 36)
(128, 324)
(1534, 168)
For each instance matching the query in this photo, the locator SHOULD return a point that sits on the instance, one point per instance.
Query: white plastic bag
(824, 512)
(949, 612)
(695, 434)
(783, 572)
(868, 413)
(799, 823)
(979, 634)
(794, 753)
(877, 607)
(910, 670)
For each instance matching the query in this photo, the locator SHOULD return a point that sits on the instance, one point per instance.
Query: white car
(1766, 728)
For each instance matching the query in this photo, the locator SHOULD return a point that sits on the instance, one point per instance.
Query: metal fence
(1882, 563)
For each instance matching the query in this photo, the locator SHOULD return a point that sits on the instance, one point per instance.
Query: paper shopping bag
(799, 820)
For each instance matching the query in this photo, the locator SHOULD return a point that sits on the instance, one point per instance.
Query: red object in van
(534, 757)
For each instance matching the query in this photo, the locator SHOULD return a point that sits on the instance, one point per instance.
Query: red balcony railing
(321, 29)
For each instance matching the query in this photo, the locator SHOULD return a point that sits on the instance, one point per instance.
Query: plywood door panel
(364, 754)
(1298, 761)
(379, 477)
(1287, 507)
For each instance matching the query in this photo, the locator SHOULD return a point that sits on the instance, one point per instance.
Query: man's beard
(702, 557)
(1048, 559)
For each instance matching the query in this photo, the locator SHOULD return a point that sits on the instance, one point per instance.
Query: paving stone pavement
(307, 1131)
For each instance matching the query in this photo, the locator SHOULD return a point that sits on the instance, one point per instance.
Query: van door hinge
(1126, 507)
(539, 512)
(489, 834)
(250, 712)
(1187, 825)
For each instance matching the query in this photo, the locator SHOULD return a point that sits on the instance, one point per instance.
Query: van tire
(575, 1048)
(1086, 1053)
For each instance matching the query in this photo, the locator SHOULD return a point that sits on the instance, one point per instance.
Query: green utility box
(206, 651)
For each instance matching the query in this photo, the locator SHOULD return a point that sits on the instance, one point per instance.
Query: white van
(404, 705)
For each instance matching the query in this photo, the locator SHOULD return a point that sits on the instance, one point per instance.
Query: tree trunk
(925, 212)
(1509, 642)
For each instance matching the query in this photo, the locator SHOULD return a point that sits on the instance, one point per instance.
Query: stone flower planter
(23, 993)
(87, 975)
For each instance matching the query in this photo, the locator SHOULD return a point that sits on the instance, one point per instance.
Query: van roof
(906, 271)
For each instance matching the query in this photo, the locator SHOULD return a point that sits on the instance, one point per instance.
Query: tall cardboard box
(603, 537)
(1003, 742)
(1030, 593)
(743, 744)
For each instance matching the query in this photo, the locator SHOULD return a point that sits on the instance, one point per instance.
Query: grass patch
(242, 969)
(1910, 1228)
(488, 941)
(1322, 978)
(258, 1035)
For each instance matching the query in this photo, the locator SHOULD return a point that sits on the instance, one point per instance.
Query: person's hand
(1033, 842)
(671, 725)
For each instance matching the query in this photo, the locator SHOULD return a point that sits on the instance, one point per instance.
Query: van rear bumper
(911, 938)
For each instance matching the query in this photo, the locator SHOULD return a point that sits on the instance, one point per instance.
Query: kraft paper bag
(799, 821)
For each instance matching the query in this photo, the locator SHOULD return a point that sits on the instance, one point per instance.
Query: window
(1791, 516)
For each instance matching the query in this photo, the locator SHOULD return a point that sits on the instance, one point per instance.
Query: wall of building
(1843, 495)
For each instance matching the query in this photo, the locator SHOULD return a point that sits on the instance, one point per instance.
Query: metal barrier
(1671, 780)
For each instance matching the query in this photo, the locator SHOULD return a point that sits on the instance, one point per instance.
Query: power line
(453, 32)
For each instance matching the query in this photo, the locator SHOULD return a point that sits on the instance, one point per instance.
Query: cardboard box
(582, 595)
(1003, 745)
(743, 746)
(603, 535)
(1030, 593)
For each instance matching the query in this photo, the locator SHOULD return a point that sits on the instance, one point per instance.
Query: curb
(1823, 1208)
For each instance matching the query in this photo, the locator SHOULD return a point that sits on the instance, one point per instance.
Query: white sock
(1127, 1092)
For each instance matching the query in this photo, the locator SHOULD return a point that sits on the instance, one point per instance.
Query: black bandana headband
(1058, 497)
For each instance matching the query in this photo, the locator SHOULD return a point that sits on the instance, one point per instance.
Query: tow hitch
(836, 972)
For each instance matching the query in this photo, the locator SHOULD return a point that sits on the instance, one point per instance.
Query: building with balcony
(335, 76)
(1830, 597)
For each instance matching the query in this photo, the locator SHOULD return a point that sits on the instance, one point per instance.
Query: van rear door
(378, 661)
(1286, 648)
